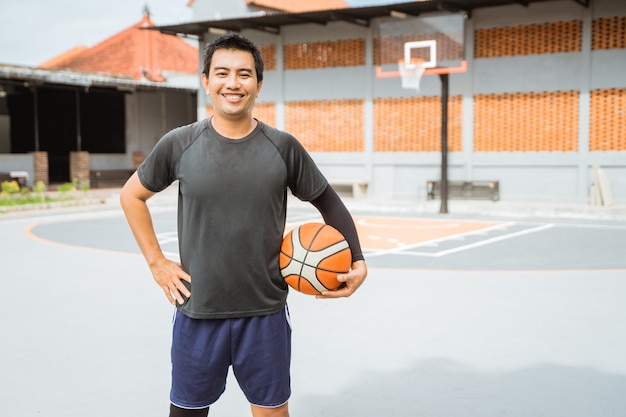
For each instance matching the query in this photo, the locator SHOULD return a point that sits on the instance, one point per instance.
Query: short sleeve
(157, 171)
(305, 180)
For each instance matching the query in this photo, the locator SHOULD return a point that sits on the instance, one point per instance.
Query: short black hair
(237, 42)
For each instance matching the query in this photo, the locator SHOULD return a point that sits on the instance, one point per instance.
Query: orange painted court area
(385, 233)
(389, 233)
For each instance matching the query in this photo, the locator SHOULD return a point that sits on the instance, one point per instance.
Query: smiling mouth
(233, 97)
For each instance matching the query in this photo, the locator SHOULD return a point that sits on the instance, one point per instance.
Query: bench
(476, 190)
(357, 188)
(109, 177)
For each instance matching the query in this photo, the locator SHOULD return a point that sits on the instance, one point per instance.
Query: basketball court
(401, 242)
(460, 316)
(482, 316)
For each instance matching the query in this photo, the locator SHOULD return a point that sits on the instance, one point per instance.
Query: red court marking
(388, 233)
(385, 233)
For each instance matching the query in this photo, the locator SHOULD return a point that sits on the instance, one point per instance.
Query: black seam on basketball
(324, 258)
(306, 253)
(311, 284)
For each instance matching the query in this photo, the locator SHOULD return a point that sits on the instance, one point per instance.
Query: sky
(34, 31)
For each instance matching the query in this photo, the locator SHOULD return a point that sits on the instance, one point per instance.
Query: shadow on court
(440, 387)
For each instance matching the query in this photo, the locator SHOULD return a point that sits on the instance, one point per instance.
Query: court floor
(458, 317)
(405, 242)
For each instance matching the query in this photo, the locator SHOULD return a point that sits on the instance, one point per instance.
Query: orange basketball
(311, 257)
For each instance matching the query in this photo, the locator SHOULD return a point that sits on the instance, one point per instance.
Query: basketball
(311, 257)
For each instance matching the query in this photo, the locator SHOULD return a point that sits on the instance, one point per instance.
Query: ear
(258, 87)
(205, 83)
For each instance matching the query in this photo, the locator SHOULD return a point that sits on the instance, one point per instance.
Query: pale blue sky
(34, 31)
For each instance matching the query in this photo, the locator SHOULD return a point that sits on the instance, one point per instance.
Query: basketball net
(411, 73)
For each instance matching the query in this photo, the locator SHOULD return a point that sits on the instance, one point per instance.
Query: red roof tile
(296, 6)
(134, 53)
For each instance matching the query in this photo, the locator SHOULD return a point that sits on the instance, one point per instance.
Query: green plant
(10, 187)
(66, 187)
(39, 187)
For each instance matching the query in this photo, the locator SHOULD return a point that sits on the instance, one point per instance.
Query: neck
(233, 129)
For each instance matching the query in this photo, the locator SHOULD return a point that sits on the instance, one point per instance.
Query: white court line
(167, 237)
(492, 240)
(435, 242)
(590, 226)
(465, 247)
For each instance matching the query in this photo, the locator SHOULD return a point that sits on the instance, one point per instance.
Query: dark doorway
(103, 121)
(21, 104)
(57, 130)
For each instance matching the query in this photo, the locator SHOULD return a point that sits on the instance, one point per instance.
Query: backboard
(437, 41)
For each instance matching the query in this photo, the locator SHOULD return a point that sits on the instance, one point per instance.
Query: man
(233, 173)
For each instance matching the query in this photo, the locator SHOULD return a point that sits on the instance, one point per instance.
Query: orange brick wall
(545, 38)
(609, 33)
(268, 52)
(327, 126)
(386, 48)
(414, 124)
(607, 130)
(340, 53)
(526, 122)
(265, 112)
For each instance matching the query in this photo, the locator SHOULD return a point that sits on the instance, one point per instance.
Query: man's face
(232, 83)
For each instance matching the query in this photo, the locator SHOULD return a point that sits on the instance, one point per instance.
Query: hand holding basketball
(351, 280)
(315, 259)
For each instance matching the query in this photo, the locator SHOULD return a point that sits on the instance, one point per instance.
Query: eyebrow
(228, 69)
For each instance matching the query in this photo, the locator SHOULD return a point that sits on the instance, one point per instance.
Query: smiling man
(233, 173)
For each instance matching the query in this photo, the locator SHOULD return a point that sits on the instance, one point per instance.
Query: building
(96, 109)
(543, 100)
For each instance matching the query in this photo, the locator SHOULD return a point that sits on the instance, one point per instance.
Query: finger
(344, 291)
(182, 288)
(175, 293)
(171, 299)
(184, 276)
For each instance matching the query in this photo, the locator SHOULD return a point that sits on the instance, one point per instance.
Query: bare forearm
(133, 198)
(140, 222)
(167, 274)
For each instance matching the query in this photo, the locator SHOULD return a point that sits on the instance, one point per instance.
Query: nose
(232, 81)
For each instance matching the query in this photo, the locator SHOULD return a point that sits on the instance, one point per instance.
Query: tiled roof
(296, 6)
(135, 53)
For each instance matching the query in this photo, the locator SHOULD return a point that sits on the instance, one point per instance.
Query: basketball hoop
(411, 73)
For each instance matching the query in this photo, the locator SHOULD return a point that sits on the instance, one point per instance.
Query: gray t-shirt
(232, 207)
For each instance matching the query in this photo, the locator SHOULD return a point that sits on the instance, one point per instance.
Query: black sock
(186, 412)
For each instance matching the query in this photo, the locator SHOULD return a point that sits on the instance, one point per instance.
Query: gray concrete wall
(19, 162)
(149, 115)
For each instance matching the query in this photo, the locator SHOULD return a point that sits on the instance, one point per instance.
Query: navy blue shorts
(258, 349)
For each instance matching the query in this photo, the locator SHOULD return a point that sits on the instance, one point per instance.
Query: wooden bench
(109, 177)
(357, 188)
(470, 190)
